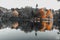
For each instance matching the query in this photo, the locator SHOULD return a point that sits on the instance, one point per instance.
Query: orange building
(47, 19)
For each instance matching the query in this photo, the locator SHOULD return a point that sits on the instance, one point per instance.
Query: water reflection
(38, 20)
(26, 26)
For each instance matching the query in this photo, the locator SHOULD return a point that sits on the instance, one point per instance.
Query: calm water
(13, 34)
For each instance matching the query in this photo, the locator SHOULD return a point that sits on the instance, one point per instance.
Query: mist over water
(13, 34)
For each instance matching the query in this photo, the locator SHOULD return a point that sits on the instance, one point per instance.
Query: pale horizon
(49, 4)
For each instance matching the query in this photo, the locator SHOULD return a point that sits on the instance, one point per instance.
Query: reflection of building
(15, 25)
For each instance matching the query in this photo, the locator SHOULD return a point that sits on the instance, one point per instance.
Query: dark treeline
(22, 18)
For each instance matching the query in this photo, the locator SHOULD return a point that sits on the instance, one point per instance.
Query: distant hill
(3, 9)
(58, 0)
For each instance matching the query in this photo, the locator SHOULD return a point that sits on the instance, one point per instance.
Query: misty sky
(53, 4)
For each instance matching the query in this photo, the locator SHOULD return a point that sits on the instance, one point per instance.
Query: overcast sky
(53, 4)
